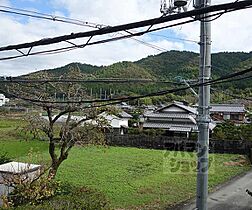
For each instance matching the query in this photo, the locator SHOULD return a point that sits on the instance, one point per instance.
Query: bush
(154, 132)
(227, 131)
(51, 194)
(4, 158)
(31, 192)
(134, 131)
(230, 131)
(246, 132)
(80, 198)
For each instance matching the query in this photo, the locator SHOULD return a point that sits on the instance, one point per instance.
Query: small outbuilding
(233, 112)
(9, 171)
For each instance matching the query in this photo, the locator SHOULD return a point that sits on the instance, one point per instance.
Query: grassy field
(131, 178)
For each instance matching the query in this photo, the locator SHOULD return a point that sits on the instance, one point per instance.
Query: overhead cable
(129, 98)
(226, 7)
(75, 46)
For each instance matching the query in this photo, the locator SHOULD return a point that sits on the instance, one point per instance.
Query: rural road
(231, 196)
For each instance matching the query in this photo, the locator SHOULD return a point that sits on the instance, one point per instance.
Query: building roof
(181, 106)
(176, 126)
(167, 115)
(124, 114)
(188, 108)
(173, 126)
(63, 118)
(238, 108)
(18, 168)
(183, 129)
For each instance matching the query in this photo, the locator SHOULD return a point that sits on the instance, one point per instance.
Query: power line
(44, 16)
(7, 80)
(232, 95)
(75, 46)
(226, 7)
(169, 37)
(70, 21)
(129, 98)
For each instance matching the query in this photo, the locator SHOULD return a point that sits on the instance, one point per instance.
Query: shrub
(230, 131)
(133, 131)
(31, 191)
(4, 158)
(80, 198)
(154, 132)
(227, 131)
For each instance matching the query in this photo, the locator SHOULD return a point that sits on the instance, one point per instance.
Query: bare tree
(67, 122)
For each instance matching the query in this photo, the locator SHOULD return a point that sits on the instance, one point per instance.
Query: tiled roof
(167, 115)
(176, 126)
(181, 106)
(125, 114)
(239, 108)
(183, 129)
(170, 125)
(188, 108)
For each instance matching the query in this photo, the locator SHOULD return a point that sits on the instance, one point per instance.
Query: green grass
(9, 128)
(131, 178)
(137, 177)
(20, 149)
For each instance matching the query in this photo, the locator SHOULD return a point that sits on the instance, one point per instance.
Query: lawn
(131, 178)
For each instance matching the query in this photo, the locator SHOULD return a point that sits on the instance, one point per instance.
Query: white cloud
(232, 32)
(111, 12)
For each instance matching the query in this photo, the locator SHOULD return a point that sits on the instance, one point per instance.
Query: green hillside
(124, 70)
(173, 63)
(164, 66)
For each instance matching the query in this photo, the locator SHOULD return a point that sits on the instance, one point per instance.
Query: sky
(231, 32)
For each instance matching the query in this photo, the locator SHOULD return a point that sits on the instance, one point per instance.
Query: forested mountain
(164, 66)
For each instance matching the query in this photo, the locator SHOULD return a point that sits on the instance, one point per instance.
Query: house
(176, 118)
(63, 118)
(124, 106)
(3, 100)
(233, 112)
(119, 122)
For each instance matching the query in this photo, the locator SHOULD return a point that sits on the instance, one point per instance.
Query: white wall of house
(3, 100)
(116, 122)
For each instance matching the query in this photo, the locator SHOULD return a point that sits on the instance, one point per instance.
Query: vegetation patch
(70, 198)
(129, 178)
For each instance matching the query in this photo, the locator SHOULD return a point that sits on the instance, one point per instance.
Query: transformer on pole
(173, 6)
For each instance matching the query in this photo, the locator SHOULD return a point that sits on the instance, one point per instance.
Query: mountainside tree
(163, 66)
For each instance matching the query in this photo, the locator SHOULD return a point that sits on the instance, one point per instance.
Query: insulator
(180, 3)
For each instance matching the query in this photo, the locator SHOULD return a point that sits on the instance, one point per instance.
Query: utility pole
(100, 93)
(203, 108)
